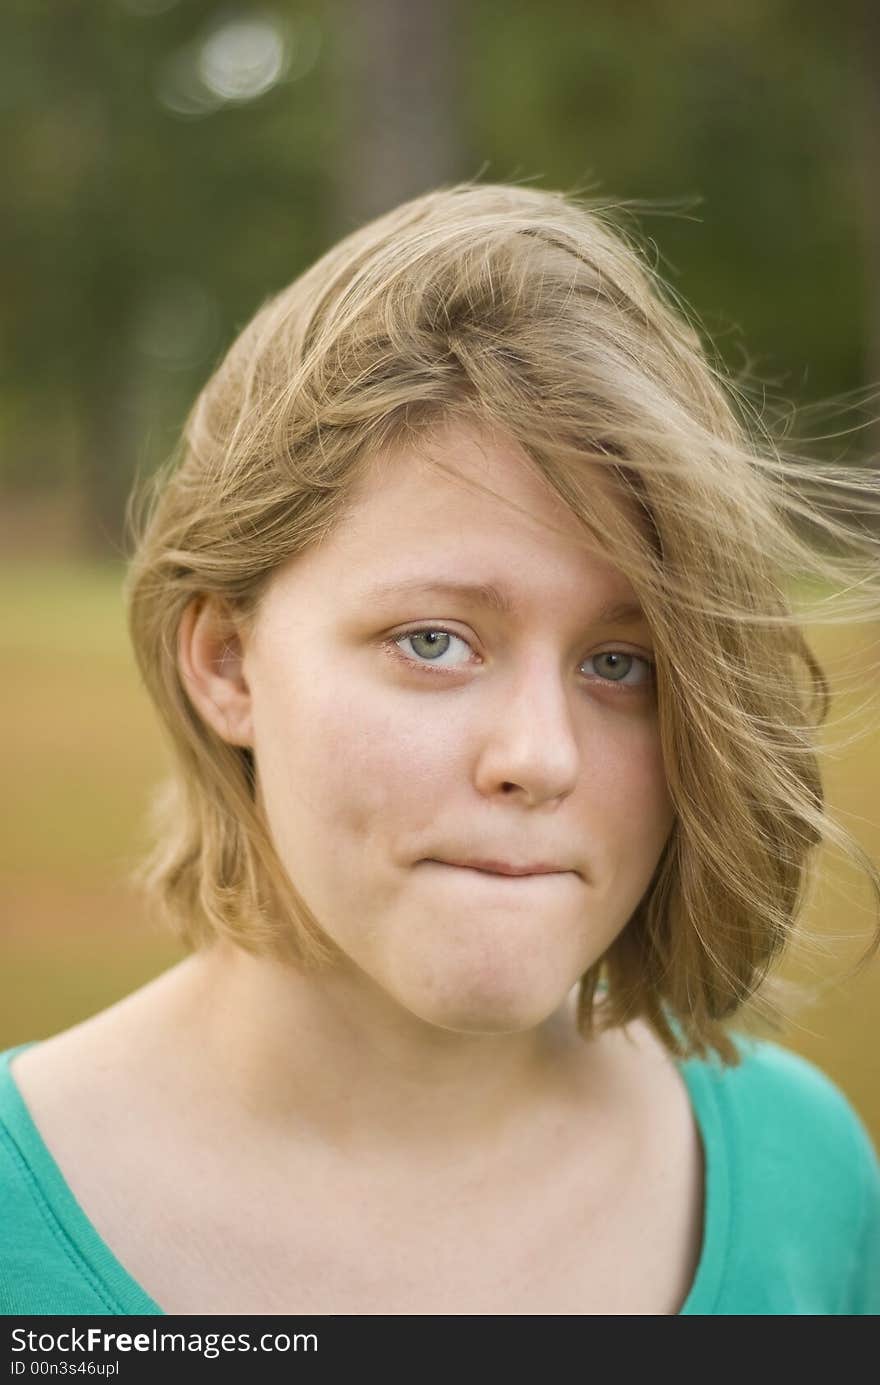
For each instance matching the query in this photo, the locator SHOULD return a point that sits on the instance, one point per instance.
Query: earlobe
(210, 654)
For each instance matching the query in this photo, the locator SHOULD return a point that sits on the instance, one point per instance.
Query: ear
(210, 656)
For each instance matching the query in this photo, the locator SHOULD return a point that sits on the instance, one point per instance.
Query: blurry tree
(400, 85)
(746, 110)
(864, 34)
(169, 168)
(170, 163)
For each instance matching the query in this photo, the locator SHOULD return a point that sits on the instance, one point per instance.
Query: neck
(327, 1056)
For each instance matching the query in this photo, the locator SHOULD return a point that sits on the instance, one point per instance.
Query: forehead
(458, 468)
(473, 482)
(469, 507)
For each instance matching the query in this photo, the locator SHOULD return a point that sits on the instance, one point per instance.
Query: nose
(530, 743)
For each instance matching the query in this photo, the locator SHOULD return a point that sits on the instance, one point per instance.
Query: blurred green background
(170, 164)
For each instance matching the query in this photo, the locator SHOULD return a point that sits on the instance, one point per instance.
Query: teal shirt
(791, 1219)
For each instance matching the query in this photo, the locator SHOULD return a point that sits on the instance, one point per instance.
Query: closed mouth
(498, 874)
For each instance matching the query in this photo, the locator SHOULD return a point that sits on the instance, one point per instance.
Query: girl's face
(402, 721)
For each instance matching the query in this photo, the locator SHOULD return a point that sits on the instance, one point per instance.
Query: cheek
(334, 761)
(649, 771)
(629, 783)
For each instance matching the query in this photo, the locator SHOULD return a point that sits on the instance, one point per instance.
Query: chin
(483, 1027)
(490, 989)
(485, 1012)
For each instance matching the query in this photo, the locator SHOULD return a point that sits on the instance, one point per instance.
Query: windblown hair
(536, 313)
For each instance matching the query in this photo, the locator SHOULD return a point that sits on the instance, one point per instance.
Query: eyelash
(394, 643)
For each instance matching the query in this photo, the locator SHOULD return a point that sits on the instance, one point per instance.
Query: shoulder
(16, 1132)
(778, 1097)
(52, 1259)
(772, 1097)
(804, 1179)
(25, 1162)
(33, 1244)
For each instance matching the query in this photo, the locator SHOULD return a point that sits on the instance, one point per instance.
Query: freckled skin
(367, 763)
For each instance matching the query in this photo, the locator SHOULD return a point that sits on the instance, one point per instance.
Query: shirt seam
(57, 1230)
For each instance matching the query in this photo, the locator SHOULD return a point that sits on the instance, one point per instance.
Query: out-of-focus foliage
(146, 216)
(750, 107)
(169, 163)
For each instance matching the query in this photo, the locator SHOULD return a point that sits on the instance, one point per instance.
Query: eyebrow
(486, 594)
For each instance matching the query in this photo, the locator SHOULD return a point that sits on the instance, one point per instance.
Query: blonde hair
(534, 312)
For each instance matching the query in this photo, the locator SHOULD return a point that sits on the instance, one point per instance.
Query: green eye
(429, 644)
(628, 661)
(434, 643)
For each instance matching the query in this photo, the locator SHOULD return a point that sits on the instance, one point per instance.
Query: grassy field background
(82, 751)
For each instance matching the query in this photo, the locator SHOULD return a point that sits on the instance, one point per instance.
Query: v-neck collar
(109, 1277)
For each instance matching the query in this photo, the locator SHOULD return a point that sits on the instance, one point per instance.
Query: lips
(504, 868)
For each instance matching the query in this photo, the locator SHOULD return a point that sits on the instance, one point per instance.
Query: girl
(496, 796)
